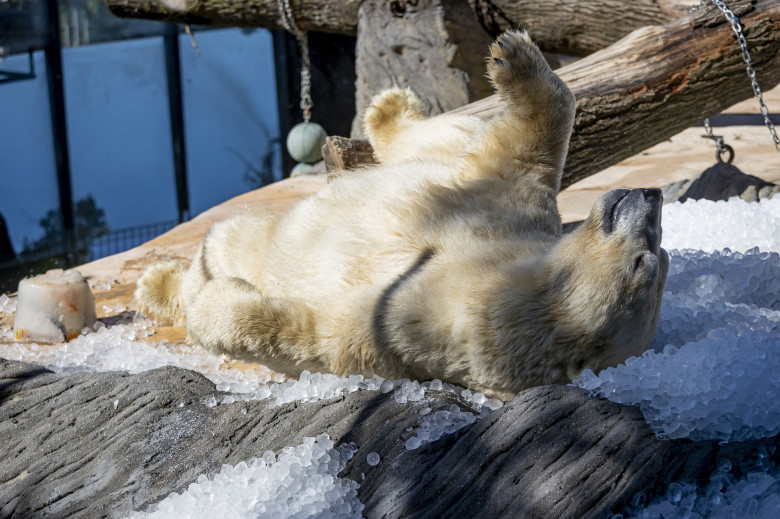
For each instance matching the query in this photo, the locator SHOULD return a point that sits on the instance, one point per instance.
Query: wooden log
(435, 47)
(107, 444)
(576, 27)
(341, 153)
(661, 80)
(579, 28)
(658, 81)
(310, 15)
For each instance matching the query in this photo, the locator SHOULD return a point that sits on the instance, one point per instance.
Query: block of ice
(53, 307)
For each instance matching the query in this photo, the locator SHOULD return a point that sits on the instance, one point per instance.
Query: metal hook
(725, 149)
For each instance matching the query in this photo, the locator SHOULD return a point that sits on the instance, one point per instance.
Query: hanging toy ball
(299, 168)
(305, 141)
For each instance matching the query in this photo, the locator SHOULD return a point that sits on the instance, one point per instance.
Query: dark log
(105, 444)
(436, 47)
(576, 27)
(310, 15)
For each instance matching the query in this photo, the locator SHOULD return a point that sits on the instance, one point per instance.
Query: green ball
(299, 168)
(305, 141)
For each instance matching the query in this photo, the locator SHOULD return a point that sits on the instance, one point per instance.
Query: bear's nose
(652, 193)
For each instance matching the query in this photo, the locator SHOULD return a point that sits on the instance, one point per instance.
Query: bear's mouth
(624, 203)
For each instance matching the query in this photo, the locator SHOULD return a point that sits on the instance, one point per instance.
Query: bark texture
(340, 153)
(576, 27)
(436, 47)
(660, 80)
(105, 444)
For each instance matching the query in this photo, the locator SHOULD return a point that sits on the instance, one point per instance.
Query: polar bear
(445, 261)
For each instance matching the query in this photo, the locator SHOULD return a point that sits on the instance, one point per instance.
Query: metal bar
(8, 76)
(283, 42)
(54, 76)
(742, 120)
(176, 107)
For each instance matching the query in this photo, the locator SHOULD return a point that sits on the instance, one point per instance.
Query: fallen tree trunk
(576, 27)
(106, 444)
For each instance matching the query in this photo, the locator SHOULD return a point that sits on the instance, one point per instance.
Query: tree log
(340, 153)
(106, 444)
(658, 81)
(436, 47)
(576, 27)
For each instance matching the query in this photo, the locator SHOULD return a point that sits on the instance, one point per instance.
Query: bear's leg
(229, 315)
(388, 114)
(159, 293)
(530, 139)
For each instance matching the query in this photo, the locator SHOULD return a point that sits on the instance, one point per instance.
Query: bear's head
(607, 279)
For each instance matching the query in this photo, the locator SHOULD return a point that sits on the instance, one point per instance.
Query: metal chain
(737, 28)
(288, 21)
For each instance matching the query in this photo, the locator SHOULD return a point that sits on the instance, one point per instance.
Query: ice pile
(7, 304)
(711, 226)
(433, 426)
(714, 372)
(101, 283)
(122, 347)
(309, 387)
(756, 495)
(413, 391)
(301, 482)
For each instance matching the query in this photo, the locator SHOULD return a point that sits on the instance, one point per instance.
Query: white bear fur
(445, 261)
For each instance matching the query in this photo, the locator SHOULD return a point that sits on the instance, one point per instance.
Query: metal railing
(121, 240)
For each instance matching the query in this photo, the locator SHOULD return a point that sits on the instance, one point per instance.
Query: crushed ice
(122, 348)
(301, 481)
(755, 495)
(714, 371)
(7, 304)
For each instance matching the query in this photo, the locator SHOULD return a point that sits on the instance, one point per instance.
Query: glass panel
(27, 171)
(230, 114)
(119, 130)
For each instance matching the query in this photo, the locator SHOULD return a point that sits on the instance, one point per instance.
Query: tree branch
(660, 80)
(576, 27)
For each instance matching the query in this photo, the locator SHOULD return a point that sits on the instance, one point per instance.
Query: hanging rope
(288, 21)
(737, 28)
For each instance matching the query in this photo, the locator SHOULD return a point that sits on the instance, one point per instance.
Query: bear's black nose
(652, 193)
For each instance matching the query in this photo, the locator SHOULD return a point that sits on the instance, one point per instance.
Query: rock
(105, 444)
(722, 181)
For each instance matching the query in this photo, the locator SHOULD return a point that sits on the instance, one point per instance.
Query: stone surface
(104, 444)
(722, 181)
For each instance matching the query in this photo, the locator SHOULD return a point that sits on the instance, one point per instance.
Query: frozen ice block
(53, 307)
